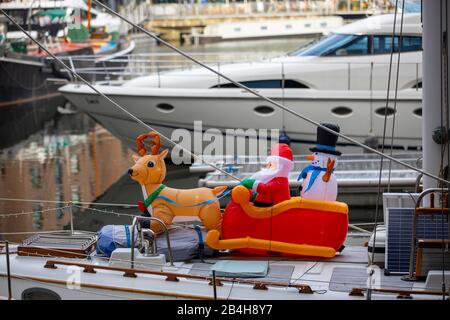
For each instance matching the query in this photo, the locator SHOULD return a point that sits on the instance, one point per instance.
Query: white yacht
(271, 28)
(342, 78)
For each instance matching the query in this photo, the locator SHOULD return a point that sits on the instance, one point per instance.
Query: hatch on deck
(66, 245)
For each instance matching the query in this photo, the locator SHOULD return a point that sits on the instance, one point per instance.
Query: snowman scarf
(315, 172)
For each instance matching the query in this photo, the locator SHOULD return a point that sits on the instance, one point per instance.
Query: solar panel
(399, 234)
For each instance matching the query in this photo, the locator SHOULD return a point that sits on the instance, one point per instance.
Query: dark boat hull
(28, 95)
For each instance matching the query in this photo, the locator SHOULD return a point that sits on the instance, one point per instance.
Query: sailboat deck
(287, 278)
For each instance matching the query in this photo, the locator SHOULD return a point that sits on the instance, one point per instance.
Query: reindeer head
(149, 168)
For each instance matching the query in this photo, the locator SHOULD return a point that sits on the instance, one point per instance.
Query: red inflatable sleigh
(297, 226)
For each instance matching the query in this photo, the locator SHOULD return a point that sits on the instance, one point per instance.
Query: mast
(89, 15)
(434, 63)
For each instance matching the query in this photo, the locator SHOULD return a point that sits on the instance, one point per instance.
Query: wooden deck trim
(171, 276)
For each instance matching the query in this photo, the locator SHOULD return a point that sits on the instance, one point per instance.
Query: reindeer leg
(163, 213)
(211, 217)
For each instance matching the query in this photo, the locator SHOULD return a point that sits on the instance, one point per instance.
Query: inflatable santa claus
(270, 185)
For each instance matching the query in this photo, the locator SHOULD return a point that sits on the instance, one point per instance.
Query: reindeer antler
(156, 143)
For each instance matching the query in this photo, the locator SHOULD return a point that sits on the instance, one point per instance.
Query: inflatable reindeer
(166, 203)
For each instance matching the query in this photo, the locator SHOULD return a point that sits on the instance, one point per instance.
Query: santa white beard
(283, 167)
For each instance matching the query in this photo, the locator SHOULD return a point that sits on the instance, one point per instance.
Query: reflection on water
(74, 159)
(77, 160)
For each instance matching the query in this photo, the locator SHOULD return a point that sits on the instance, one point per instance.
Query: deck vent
(381, 111)
(165, 107)
(342, 111)
(264, 110)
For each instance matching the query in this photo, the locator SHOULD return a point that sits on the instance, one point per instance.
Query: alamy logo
(216, 142)
(373, 277)
(74, 279)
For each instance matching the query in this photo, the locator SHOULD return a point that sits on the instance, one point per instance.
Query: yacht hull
(166, 110)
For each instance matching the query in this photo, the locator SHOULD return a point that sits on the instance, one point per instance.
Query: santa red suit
(271, 184)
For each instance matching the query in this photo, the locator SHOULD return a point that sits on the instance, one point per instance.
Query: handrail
(173, 276)
(418, 211)
(166, 232)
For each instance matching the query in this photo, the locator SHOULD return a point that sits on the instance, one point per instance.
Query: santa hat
(282, 150)
(282, 153)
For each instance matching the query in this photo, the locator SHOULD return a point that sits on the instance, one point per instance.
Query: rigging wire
(400, 40)
(17, 214)
(255, 93)
(377, 204)
(444, 103)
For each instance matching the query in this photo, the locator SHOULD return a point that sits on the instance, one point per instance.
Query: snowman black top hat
(326, 141)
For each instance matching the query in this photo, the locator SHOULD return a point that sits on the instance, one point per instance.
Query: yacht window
(326, 46)
(411, 44)
(383, 44)
(347, 44)
(359, 46)
(266, 84)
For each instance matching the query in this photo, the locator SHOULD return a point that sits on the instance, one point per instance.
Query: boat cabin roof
(383, 24)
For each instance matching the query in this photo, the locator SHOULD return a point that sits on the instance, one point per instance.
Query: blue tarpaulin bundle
(111, 237)
(186, 243)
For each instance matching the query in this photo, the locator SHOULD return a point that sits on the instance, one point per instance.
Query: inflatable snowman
(318, 181)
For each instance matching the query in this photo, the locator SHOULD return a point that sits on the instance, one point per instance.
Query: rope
(33, 232)
(8, 215)
(271, 101)
(105, 211)
(73, 202)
